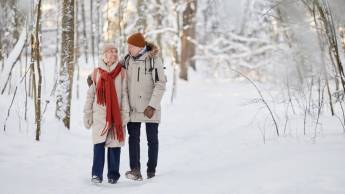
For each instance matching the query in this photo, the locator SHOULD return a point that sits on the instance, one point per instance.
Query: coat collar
(150, 50)
(105, 67)
(140, 57)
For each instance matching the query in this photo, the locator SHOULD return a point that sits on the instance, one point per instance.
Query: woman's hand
(88, 121)
(89, 80)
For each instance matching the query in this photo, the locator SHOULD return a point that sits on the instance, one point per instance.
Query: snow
(17, 49)
(14, 55)
(216, 137)
(209, 143)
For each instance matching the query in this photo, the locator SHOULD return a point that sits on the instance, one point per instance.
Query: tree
(141, 24)
(92, 26)
(159, 21)
(187, 38)
(11, 21)
(36, 84)
(342, 36)
(65, 82)
(85, 40)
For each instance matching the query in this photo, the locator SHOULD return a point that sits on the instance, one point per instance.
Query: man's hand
(89, 80)
(149, 112)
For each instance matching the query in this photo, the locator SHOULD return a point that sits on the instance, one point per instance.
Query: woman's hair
(103, 57)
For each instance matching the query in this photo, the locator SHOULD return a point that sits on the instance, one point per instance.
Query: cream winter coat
(146, 86)
(94, 114)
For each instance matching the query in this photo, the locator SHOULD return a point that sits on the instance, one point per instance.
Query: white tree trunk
(65, 83)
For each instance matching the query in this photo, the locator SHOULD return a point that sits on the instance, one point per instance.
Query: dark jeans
(134, 145)
(113, 161)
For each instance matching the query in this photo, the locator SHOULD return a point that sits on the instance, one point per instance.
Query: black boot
(150, 175)
(112, 181)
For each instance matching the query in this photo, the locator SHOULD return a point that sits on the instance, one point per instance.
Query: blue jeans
(134, 145)
(113, 161)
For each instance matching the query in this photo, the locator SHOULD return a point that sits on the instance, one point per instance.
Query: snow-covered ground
(209, 144)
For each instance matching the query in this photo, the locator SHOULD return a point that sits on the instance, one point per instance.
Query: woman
(106, 111)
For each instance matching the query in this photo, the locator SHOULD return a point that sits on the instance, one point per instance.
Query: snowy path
(207, 146)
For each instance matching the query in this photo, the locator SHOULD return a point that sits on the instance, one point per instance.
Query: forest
(246, 80)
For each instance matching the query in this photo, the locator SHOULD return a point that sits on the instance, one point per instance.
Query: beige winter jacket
(146, 85)
(94, 114)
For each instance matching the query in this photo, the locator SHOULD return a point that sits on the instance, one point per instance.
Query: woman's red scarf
(107, 95)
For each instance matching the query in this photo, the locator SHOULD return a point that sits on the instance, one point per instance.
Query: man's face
(134, 50)
(111, 56)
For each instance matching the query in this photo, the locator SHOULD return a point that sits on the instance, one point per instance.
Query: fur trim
(152, 49)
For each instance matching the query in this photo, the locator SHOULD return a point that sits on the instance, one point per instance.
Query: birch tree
(65, 82)
(36, 71)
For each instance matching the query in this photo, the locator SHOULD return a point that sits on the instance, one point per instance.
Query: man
(145, 85)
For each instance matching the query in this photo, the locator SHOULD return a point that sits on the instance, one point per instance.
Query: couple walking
(123, 94)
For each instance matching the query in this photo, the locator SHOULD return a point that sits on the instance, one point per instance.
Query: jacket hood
(152, 49)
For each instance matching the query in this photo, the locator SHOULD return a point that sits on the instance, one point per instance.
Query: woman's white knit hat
(108, 46)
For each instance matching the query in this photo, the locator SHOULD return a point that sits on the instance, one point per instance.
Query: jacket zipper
(138, 73)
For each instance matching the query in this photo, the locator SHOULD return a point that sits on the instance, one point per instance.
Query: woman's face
(133, 50)
(111, 56)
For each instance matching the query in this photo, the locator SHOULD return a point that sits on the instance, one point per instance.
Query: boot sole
(132, 177)
(96, 183)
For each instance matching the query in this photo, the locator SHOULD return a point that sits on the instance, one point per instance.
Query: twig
(342, 124)
(321, 97)
(9, 109)
(262, 98)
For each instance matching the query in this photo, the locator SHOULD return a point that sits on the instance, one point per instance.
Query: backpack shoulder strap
(152, 63)
(153, 69)
(126, 61)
